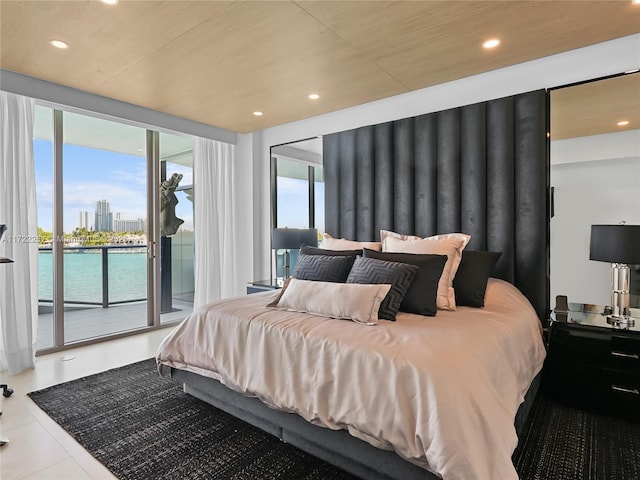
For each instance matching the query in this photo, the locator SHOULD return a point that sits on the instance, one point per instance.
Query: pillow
(359, 303)
(470, 283)
(308, 250)
(342, 244)
(421, 295)
(323, 268)
(450, 244)
(398, 275)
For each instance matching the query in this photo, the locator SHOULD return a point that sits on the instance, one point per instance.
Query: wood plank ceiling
(216, 62)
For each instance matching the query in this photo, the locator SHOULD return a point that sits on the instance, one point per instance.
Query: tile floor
(40, 449)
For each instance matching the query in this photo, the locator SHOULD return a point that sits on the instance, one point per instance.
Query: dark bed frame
(481, 169)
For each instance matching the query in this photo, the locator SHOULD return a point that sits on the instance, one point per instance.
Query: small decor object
(619, 245)
(169, 223)
(292, 238)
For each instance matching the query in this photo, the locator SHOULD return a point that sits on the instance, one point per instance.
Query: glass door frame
(153, 238)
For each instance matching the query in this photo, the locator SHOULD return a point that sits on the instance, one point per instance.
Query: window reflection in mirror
(297, 190)
(595, 172)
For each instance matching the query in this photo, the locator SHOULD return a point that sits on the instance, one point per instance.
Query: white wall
(595, 61)
(596, 181)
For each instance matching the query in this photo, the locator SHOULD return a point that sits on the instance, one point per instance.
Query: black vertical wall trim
(482, 169)
(473, 184)
(403, 184)
(530, 178)
(331, 171)
(348, 184)
(366, 175)
(384, 161)
(426, 174)
(448, 171)
(501, 186)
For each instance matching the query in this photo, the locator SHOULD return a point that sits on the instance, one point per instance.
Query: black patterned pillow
(398, 275)
(308, 250)
(421, 295)
(322, 268)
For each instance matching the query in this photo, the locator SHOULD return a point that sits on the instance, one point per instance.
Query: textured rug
(143, 426)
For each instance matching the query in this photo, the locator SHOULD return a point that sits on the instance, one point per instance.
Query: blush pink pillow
(449, 244)
(330, 243)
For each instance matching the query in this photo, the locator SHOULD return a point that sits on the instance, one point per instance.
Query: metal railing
(105, 273)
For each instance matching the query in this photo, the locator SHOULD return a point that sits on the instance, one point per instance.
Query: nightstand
(591, 364)
(258, 286)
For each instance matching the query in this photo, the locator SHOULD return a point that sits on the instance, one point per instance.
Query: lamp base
(621, 321)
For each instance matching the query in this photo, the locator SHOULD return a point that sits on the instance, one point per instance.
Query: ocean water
(83, 276)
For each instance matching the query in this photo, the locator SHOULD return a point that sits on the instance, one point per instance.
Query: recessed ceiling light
(492, 43)
(623, 123)
(257, 114)
(314, 96)
(110, 2)
(59, 44)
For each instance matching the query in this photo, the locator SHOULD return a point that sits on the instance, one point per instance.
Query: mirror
(297, 191)
(595, 174)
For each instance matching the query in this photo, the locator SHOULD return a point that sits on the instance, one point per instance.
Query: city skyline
(91, 175)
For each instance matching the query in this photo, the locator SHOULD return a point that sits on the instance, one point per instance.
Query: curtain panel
(19, 280)
(215, 221)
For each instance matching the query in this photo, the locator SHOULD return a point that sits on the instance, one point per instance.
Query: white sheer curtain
(215, 220)
(18, 281)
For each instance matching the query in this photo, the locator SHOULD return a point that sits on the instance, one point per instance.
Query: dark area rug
(142, 426)
(561, 442)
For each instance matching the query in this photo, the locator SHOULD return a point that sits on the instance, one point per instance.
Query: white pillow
(331, 243)
(351, 301)
(449, 244)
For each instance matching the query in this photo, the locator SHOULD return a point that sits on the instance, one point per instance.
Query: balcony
(105, 290)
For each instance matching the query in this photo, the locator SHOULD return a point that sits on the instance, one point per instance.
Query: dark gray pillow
(323, 268)
(398, 275)
(308, 250)
(470, 282)
(421, 295)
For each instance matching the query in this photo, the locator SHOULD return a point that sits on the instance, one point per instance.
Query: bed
(436, 391)
(421, 397)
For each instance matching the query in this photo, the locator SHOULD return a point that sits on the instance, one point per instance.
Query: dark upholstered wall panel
(481, 169)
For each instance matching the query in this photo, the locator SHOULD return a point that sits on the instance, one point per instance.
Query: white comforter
(441, 391)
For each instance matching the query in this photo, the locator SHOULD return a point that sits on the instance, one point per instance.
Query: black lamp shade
(288, 238)
(615, 244)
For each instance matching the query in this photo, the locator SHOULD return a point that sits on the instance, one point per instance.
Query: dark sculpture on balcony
(169, 223)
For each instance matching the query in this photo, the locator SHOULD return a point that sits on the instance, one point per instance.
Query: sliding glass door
(100, 196)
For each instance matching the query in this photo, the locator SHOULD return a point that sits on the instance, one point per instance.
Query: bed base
(336, 447)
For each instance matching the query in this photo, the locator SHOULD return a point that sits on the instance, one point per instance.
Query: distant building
(120, 225)
(104, 217)
(84, 220)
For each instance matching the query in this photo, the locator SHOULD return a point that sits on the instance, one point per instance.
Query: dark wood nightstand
(258, 286)
(591, 364)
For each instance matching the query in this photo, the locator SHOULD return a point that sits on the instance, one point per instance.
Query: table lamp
(619, 245)
(291, 238)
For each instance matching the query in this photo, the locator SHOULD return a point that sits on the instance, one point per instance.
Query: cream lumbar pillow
(330, 243)
(449, 244)
(351, 301)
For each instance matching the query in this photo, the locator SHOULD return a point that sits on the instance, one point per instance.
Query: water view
(83, 275)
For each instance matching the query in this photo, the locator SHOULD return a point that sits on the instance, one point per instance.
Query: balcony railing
(82, 271)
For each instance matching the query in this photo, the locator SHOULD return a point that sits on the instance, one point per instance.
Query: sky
(90, 175)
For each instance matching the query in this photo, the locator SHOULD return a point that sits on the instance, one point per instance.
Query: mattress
(442, 392)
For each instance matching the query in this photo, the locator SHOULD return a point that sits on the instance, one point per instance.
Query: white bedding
(441, 391)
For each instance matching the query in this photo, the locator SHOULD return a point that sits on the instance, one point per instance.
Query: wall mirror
(297, 192)
(595, 174)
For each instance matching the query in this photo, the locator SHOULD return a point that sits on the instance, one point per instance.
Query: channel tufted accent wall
(481, 169)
